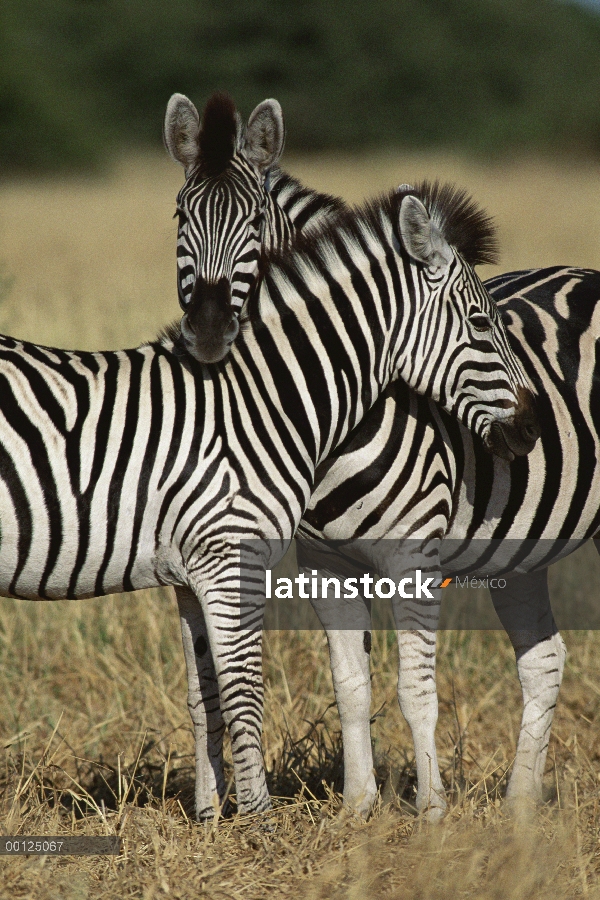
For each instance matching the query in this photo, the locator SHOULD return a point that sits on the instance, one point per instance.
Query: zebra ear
(265, 135)
(181, 131)
(421, 237)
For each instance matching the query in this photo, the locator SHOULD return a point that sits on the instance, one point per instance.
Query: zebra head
(223, 212)
(461, 355)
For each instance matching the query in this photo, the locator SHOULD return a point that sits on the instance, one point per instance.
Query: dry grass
(96, 740)
(93, 262)
(94, 728)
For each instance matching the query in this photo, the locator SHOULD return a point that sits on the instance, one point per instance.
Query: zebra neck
(279, 230)
(322, 345)
(302, 208)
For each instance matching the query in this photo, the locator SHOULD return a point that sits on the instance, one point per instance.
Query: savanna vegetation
(79, 78)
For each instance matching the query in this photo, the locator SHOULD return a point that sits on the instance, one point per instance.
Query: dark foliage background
(79, 78)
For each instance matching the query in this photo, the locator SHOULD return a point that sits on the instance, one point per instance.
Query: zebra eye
(180, 214)
(480, 322)
(258, 219)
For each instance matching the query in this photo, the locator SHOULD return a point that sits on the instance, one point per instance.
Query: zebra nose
(526, 422)
(521, 435)
(516, 436)
(186, 332)
(209, 325)
(531, 430)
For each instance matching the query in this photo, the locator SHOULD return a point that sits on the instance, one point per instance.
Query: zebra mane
(171, 334)
(218, 134)
(465, 225)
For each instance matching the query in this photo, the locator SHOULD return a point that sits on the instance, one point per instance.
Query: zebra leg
(523, 607)
(347, 624)
(204, 706)
(349, 653)
(236, 646)
(417, 695)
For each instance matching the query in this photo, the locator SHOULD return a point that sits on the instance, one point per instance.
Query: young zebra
(205, 191)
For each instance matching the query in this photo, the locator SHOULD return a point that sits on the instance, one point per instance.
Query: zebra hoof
(433, 809)
(433, 814)
(361, 804)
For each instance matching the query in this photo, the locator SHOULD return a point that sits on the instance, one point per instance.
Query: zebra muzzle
(209, 325)
(517, 436)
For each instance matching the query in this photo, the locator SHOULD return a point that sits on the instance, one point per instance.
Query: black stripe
(132, 404)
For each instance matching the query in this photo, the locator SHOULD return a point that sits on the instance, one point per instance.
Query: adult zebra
(138, 468)
(202, 255)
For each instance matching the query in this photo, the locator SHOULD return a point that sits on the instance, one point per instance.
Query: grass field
(94, 728)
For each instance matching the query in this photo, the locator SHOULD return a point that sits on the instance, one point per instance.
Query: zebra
(553, 321)
(450, 212)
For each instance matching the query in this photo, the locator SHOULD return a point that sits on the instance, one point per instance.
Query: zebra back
(296, 210)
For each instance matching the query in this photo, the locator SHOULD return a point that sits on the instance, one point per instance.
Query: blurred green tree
(81, 77)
